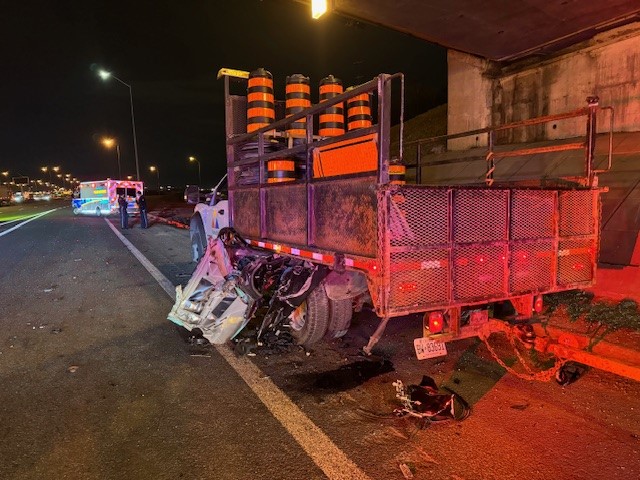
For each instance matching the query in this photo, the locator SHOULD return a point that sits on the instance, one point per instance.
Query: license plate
(427, 348)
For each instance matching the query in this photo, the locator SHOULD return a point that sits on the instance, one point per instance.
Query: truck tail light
(436, 322)
(538, 304)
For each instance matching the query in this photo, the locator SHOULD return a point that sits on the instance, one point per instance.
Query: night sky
(55, 108)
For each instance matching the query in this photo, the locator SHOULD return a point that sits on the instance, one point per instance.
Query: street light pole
(105, 75)
(194, 159)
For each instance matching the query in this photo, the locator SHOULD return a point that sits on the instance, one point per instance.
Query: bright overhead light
(104, 74)
(318, 8)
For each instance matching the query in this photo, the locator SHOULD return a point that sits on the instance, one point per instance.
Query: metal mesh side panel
(480, 215)
(419, 217)
(237, 120)
(478, 271)
(576, 213)
(345, 216)
(246, 212)
(286, 209)
(575, 262)
(419, 278)
(532, 214)
(531, 266)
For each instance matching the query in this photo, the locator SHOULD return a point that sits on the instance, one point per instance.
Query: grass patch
(601, 318)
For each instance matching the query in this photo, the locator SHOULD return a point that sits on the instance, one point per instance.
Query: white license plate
(427, 348)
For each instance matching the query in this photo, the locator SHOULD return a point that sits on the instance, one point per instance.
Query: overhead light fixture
(318, 8)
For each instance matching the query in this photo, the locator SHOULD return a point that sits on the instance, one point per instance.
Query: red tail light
(537, 304)
(436, 322)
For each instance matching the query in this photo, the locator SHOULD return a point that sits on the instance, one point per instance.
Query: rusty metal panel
(286, 213)
(577, 212)
(479, 271)
(480, 215)
(576, 261)
(246, 211)
(531, 266)
(345, 216)
(419, 217)
(532, 214)
(419, 279)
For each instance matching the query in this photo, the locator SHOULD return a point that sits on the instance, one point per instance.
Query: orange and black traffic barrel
(281, 171)
(359, 111)
(260, 102)
(332, 119)
(397, 173)
(298, 97)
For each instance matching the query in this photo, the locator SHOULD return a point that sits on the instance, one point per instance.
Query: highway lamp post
(109, 143)
(194, 159)
(153, 168)
(50, 170)
(5, 174)
(105, 76)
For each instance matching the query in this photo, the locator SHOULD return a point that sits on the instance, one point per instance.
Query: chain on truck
(324, 216)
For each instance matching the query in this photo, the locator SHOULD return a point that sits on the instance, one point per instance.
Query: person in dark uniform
(124, 216)
(142, 205)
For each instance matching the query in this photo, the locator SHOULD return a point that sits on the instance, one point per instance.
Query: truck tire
(340, 313)
(314, 322)
(198, 238)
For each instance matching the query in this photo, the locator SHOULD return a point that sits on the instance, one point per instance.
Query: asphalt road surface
(97, 384)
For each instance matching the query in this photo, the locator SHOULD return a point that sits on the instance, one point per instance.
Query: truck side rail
(494, 154)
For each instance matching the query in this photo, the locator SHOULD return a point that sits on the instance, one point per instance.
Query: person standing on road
(124, 215)
(142, 205)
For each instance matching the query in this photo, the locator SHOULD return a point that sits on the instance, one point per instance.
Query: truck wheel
(198, 238)
(340, 312)
(311, 325)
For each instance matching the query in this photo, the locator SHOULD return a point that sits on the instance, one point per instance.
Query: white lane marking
(164, 282)
(31, 219)
(335, 464)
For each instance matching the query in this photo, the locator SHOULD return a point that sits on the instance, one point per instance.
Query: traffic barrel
(298, 97)
(332, 120)
(281, 171)
(397, 174)
(260, 101)
(359, 111)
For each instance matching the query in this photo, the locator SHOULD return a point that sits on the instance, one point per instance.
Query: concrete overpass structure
(510, 61)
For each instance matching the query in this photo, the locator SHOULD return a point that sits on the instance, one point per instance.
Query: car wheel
(98, 213)
(312, 318)
(198, 238)
(340, 313)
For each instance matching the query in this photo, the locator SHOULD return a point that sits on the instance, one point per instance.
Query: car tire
(316, 318)
(340, 313)
(198, 238)
(98, 212)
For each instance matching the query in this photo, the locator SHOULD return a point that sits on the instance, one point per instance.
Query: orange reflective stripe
(297, 87)
(331, 88)
(331, 117)
(261, 112)
(260, 96)
(260, 82)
